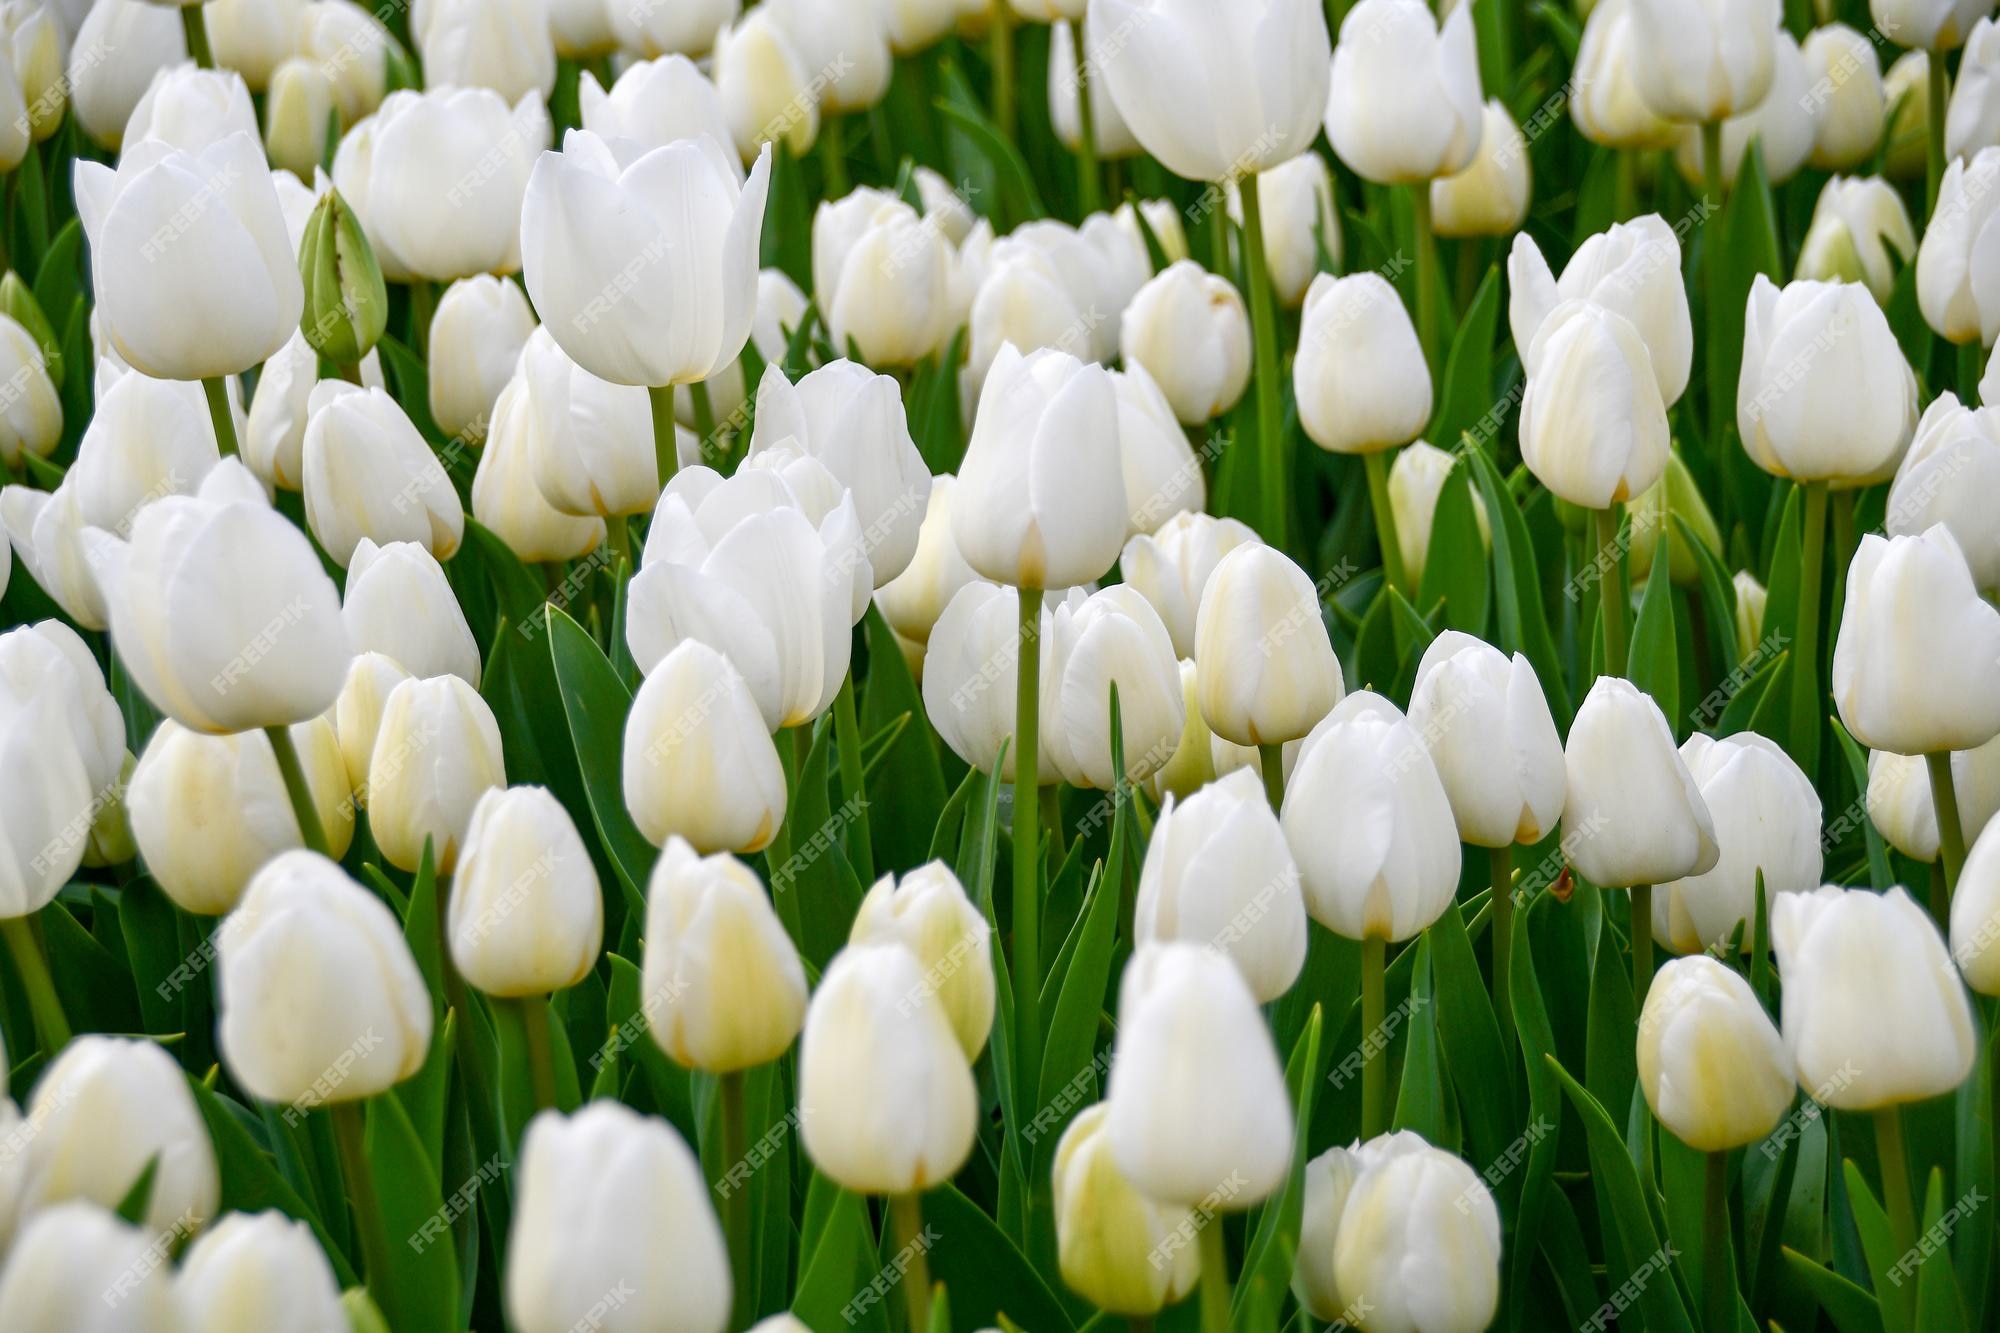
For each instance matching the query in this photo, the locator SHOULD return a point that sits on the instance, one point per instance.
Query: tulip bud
(525, 916)
(31, 418)
(1490, 197)
(1975, 915)
(765, 87)
(1952, 464)
(608, 1200)
(1415, 1239)
(505, 45)
(1903, 810)
(192, 109)
(1472, 706)
(1633, 269)
(476, 337)
(1360, 374)
(913, 600)
(1186, 1018)
(1750, 599)
(847, 46)
(1633, 815)
(347, 304)
(47, 530)
(274, 437)
(874, 1030)
(1605, 102)
(1906, 94)
(1191, 331)
(399, 603)
(698, 760)
(1704, 60)
(929, 914)
(1593, 425)
(1675, 495)
(1163, 218)
(970, 679)
(1162, 475)
(1192, 766)
(1844, 97)
(1111, 136)
(18, 303)
(1912, 668)
(436, 752)
(357, 714)
(47, 666)
(657, 30)
(1108, 1233)
(148, 439)
(591, 441)
(207, 811)
(368, 474)
(1781, 125)
(1023, 300)
(1042, 493)
(882, 277)
(252, 36)
(1874, 1013)
(354, 48)
(1711, 1062)
(35, 40)
(1266, 669)
(506, 498)
(1329, 1179)
(299, 113)
(1961, 300)
(1416, 480)
(104, 1110)
(1934, 25)
(252, 1273)
(1172, 567)
(1111, 637)
(1296, 201)
(319, 999)
(654, 102)
(1405, 92)
(71, 1260)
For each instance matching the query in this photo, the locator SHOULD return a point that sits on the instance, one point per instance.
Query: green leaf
(987, 1274)
(596, 702)
(1531, 1023)
(1524, 627)
(1940, 1307)
(95, 989)
(1878, 1244)
(250, 1180)
(1273, 1248)
(963, 110)
(132, 1208)
(1473, 1052)
(906, 790)
(1456, 569)
(1468, 370)
(840, 1266)
(1718, 602)
(1851, 1309)
(420, 1292)
(1880, 876)
(1655, 657)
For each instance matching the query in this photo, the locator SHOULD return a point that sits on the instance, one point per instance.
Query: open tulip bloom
(688, 666)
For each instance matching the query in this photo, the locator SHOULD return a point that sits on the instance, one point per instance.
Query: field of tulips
(943, 666)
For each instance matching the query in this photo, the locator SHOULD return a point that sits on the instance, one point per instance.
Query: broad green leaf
(420, 1292)
(1273, 1248)
(1851, 1309)
(250, 1181)
(595, 702)
(1654, 664)
(1456, 568)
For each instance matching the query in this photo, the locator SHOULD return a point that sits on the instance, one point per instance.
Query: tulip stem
(1951, 831)
(1027, 839)
(216, 390)
(1719, 1294)
(1376, 465)
(350, 1132)
(666, 446)
(1895, 1177)
(303, 809)
(906, 1224)
(534, 1011)
(1427, 274)
(1000, 51)
(1271, 758)
(1642, 945)
(1934, 125)
(1715, 188)
(853, 780)
(423, 309)
(736, 1202)
(195, 27)
(1616, 594)
(51, 1024)
(1086, 123)
(618, 543)
(1971, 365)
(707, 446)
(833, 156)
(1264, 336)
(1501, 861)
(1374, 1077)
(1806, 711)
(1214, 1276)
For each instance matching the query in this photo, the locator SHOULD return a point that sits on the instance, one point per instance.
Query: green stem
(1427, 274)
(1616, 596)
(423, 309)
(906, 1221)
(195, 27)
(1271, 758)
(1718, 1291)
(1027, 839)
(350, 1132)
(1000, 51)
(307, 813)
(1052, 825)
(1896, 1188)
(1971, 365)
(853, 783)
(1720, 404)
(736, 1204)
(833, 155)
(1264, 345)
(1374, 1003)
(666, 444)
(704, 421)
(534, 1011)
(1376, 465)
(1214, 1277)
(216, 390)
(1086, 123)
(1934, 123)
(51, 1024)
(1806, 705)
(1642, 945)
(1951, 832)
(1501, 861)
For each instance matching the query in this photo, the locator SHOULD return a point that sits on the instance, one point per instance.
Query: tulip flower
(1267, 673)
(882, 278)
(590, 440)
(505, 45)
(102, 1112)
(1783, 125)
(1190, 331)
(1704, 61)
(35, 41)
(368, 475)
(1932, 25)
(610, 1200)
(1107, 1232)
(1070, 82)
(506, 497)
(352, 46)
(148, 439)
(46, 530)
(1192, 765)
(525, 915)
(190, 109)
(765, 86)
(1025, 300)
(297, 110)
(1593, 423)
(582, 29)
(252, 37)
(655, 102)
(1606, 104)
(698, 760)
(1489, 197)
(1172, 566)
(846, 47)
(476, 337)
(929, 914)
(1404, 104)
(135, 41)
(1953, 461)
(399, 603)
(652, 30)
(971, 685)
(1633, 269)
(274, 434)
(347, 305)
(1860, 230)
(1474, 708)
(68, 1261)
(1162, 475)
(1844, 97)
(1711, 1063)
(872, 1030)
(437, 751)
(47, 666)
(31, 417)
(1300, 221)
(208, 811)
(357, 715)
(1112, 637)
(253, 1272)
(1975, 916)
(1903, 810)
(1416, 481)
(1961, 300)
(1187, 1021)
(913, 600)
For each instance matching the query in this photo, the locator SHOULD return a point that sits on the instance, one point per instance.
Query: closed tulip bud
(1934, 25)
(1162, 475)
(1172, 566)
(357, 714)
(657, 30)
(1606, 103)
(1874, 1013)
(1163, 218)
(104, 1110)
(1187, 1019)
(135, 41)
(1912, 667)
(1023, 300)
(874, 1030)
(1112, 136)
(1417, 1240)
(252, 1273)
(1750, 599)
(658, 287)
(699, 761)
(220, 611)
(1404, 105)
(582, 29)
(1633, 815)
(1218, 871)
(1906, 92)
(1860, 232)
(653, 103)
(199, 300)
(929, 914)
(505, 45)
(1902, 809)
(765, 87)
(399, 603)
(1192, 765)
(1952, 463)
(1975, 915)
(1782, 125)
(1488, 729)
(1360, 374)
(191, 109)
(353, 47)
(35, 39)
(846, 47)
(46, 668)
(207, 811)
(1844, 97)
(1972, 118)
(609, 1200)
(148, 439)
(1490, 197)
(506, 498)
(590, 440)
(1267, 672)
(1711, 1063)
(31, 417)
(70, 1260)
(1108, 1233)
(298, 111)
(436, 752)
(1251, 89)
(1704, 60)
(1329, 1179)
(1296, 200)
(1416, 480)
(347, 304)
(1825, 393)
(525, 915)
(1111, 637)
(1190, 329)
(18, 303)
(476, 337)
(46, 530)
(369, 475)
(913, 600)
(274, 435)
(1767, 822)
(1634, 269)
(970, 680)
(1041, 489)
(252, 36)
(883, 278)
(1961, 299)
(1593, 425)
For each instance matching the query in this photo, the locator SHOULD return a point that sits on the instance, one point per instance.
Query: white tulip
(1191, 330)
(1975, 914)
(147, 439)
(1711, 1063)
(1704, 60)
(1108, 1233)
(253, 37)
(437, 750)
(845, 46)
(1633, 816)
(1416, 481)
(273, 436)
(1935, 25)
(1487, 726)
(1958, 290)
(970, 678)
(476, 337)
(1860, 232)
(1112, 137)
(357, 715)
(35, 40)
(1901, 807)
(930, 915)
(1111, 637)
(31, 416)
(46, 530)
(1952, 463)
(1782, 124)
(1490, 197)
(1404, 104)
(698, 761)
(1844, 97)
(766, 90)
(1172, 566)
(1593, 424)
(506, 497)
(505, 45)
(191, 109)
(655, 102)
(882, 276)
(70, 1262)
(913, 600)
(652, 30)
(1605, 101)
(121, 45)
(352, 46)
(1634, 268)
(1418, 1245)
(251, 1273)
(1267, 672)
(582, 29)
(590, 441)
(368, 475)
(1296, 199)
(297, 111)
(1162, 475)
(526, 915)
(1360, 375)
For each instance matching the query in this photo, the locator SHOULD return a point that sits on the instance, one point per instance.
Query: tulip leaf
(132, 1208)
(827, 900)
(962, 108)
(595, 701)
(1880, 875)
(1273, 1248)
(1940, 1307)
(1456, 569)
(1654, 664)
(95, 988)
(1524, 627)
(1468, 371)
(1619, 1185)
(987, 1273)
(1850, 1308)
(906, 790)
(1878, 1244)
(951, 819)
(1766, 680)
(249, 1178)
(1420, 1093)
(1537, 1195)
(1067, 1071)
(420, 1292)
(519, 594)
(1718, 605)
(1474, 1055)
(147, 920)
